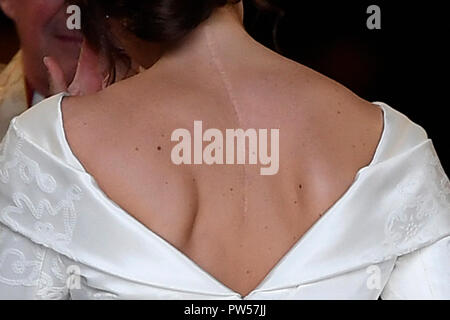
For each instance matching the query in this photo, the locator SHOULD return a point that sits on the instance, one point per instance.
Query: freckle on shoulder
(71, 108)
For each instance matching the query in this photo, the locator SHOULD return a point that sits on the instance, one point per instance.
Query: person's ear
(240, 10)
(7, 7)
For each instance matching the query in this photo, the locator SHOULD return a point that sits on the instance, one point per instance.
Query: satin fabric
(61, 237)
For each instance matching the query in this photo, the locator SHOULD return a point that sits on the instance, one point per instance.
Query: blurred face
(41, 25)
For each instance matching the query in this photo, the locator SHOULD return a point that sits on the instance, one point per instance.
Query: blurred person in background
(41, 26)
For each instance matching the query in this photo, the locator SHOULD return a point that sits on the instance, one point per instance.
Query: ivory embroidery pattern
(20, 266)
(51, 223)
(419, 202)
(17, 270)
(28, 169)
(45, 231)
(53, 286)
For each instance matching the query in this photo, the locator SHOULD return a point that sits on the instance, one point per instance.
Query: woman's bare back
(232, 221)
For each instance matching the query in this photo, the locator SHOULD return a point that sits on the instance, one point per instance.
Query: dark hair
(150, 20)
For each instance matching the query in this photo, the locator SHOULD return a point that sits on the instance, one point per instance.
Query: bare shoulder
(107, 124)
(76, 115)
(333, 105)
(315, 93)
(85, 125)
(341, 131)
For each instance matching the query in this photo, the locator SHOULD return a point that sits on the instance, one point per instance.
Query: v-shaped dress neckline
(178, 253)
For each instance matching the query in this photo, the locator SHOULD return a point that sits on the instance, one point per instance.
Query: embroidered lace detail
(57, 267)
(28, 169)
(27, 264)
(53, 286)
(18, 270)
(53, 222)
(45, 230)
(422, 196)
(39, 206)
(48, 291)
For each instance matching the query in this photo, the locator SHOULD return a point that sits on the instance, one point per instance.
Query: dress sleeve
(29, 271)
(423, 274)
(38, 216)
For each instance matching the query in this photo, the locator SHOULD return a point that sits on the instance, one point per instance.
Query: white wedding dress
(61, 237)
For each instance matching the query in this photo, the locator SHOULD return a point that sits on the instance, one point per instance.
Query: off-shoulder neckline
(291, 251)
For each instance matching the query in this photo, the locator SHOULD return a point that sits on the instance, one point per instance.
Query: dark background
(404, 64)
